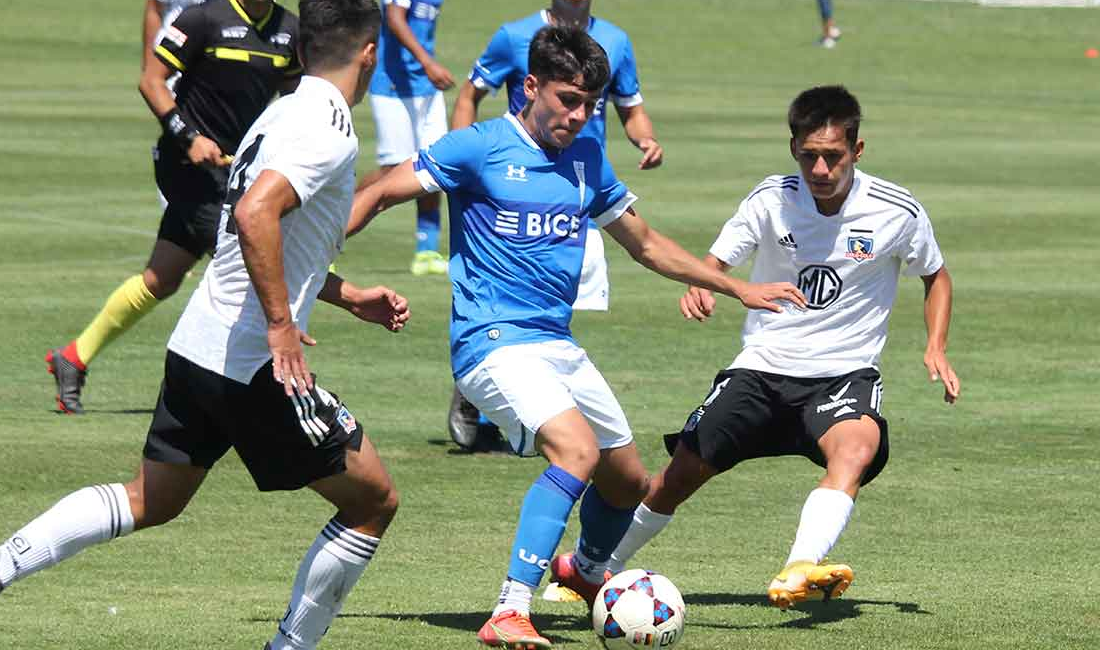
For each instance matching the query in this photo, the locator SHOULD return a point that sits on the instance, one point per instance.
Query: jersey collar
(311, 84)
(545, 13)
(260, 24)
(522, 131)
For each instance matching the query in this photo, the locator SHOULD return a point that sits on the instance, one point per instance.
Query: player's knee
(161, 285)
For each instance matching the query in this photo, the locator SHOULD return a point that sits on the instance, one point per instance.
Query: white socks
(86, 517)
(514, 595)
(824, 517)
(645, 527)
(327, 573)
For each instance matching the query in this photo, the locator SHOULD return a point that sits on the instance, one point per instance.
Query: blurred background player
(409, 111)
(232, 57)
(504, 63)
(521, 188)
(235, 375)
(807, 382)
(830, 33)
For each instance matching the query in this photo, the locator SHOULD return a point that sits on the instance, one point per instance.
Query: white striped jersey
(847, 265)
(307, 137)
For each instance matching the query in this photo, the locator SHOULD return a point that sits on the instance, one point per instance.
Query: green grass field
(981, 533)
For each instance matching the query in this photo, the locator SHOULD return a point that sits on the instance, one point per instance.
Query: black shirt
(232, 65)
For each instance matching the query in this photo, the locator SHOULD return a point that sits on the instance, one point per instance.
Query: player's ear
(857, 151)
(530, 87)
(369, 54)
(793, 153)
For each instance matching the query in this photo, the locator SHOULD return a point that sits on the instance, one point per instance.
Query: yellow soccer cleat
(429, 263)
(801, 581)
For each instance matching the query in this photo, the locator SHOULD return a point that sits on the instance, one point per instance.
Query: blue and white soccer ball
(638, 609)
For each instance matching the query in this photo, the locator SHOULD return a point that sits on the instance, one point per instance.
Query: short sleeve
(180, 42)
(738, 237)
(922, 254)
(404, 4)
(454, 161)
(307, 161)
(625, 90)
(612, 197)
(493, 66)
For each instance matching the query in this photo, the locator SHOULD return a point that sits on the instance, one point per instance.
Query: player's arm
(398, 185)
(465, 110)
(639, 130)
(379, 304)
(257, 216)
(398, 22)
(150, 25)
(937, 318)
(662, 255)
(698, 303)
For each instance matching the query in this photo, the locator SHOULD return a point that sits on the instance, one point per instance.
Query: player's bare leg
(129, 303)
(849, 448)
(681, 478)
(97, 514)
(366, 502)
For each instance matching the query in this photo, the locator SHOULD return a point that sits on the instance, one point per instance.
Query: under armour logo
(516, 173)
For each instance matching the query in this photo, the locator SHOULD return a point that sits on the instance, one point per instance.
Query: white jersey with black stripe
(846, 264)
(307, 138)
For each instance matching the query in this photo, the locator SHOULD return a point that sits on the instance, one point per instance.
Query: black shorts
(195, 195)
(751, 414)
(285, 442)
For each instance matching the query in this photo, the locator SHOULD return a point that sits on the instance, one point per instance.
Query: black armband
(175, 125)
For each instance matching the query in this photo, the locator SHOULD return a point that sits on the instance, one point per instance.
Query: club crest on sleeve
(860, 248)
(175, 35)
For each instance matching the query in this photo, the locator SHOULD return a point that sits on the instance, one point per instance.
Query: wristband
(175, 125)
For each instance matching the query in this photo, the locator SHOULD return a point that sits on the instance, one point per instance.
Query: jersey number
(236, 182)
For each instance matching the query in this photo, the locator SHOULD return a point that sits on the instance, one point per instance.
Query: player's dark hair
(823, 106)
(332, 31)
(564, 53)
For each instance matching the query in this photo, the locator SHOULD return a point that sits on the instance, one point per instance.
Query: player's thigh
(567, 441)
(288, 442)
(738, 420)
(594, 288)
(519, 388)
(848, 406)
(394, 129)
(431, 119)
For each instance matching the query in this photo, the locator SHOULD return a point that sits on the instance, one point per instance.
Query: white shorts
(594, 290)
(405, 125)
(521, 387)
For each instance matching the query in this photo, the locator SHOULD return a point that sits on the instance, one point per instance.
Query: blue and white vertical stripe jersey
(519, 218)
(505, 62)
(399, 74)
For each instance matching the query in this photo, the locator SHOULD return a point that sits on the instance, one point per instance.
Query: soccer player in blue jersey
(504, 63)
(521, 189)
(409, 112)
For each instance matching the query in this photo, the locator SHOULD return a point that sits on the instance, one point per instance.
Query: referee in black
(233, 56)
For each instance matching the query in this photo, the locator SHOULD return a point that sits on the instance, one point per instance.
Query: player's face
(572, 13)
(828, 163)
(558, 110)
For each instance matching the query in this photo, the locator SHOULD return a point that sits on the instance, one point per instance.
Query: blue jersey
(505, 62)
(519, 218)
(399, 74)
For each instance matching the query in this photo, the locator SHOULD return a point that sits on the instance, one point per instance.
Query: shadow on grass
(472, 621)
(814, 613)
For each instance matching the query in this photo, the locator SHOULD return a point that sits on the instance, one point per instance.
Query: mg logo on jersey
(531, 558)
(820, 284)
(516, 173)
(860, 248)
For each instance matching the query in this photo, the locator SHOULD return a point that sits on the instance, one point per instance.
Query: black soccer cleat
(69, 380)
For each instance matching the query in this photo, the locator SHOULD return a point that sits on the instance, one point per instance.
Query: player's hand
(382, 305)
(763, 295)
(939, 369)
(652, 154)
(440, 76)
(205, 151)
(288, 359)
(697, 304)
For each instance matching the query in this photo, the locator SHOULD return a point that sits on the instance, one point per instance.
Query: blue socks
(826, 8)
(427, 231)
(542, 521)
(602, 528)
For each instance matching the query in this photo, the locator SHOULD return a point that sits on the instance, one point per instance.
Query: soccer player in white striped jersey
(806, 382)
(235, 374)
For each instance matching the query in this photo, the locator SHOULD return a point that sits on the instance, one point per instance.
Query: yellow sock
(126, 306)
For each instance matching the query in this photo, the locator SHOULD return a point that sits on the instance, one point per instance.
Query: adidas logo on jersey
(787, 241)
